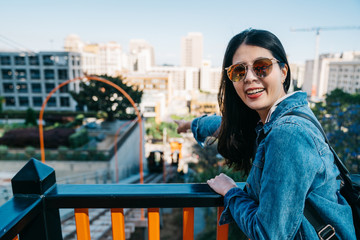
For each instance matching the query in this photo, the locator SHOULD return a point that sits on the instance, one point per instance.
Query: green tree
(30, 117)
(1, 102)
(99, 96)
(156, 130)
(340, 117)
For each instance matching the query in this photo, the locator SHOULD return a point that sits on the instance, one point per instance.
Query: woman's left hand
(221, 184)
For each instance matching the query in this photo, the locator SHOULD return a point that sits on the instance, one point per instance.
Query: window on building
(49, 87)
(64, 89)
(19, 60)
(5, 60)
(8, 87)
(52, 102)
(22, 87)
(36, 88)
(61, 60)
(23, 101)
(6, 74)
(9, 101)
(34, 60)
(48, 60)
(34, 74)
(63, 74)
(149, 109)
(49, 74)
(64, 102)
(20, 74)
(37, 101)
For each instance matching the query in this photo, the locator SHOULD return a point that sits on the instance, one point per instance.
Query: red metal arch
(41, 131)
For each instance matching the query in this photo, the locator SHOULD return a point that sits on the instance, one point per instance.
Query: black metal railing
(33, 212)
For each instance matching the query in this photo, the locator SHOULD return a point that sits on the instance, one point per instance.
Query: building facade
(344, 75)
(27, 78)
(338, 70)
(192, 50)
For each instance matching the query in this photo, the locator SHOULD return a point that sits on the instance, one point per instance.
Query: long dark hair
(237, 132)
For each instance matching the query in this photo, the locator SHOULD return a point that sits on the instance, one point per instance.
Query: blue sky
(44, 24)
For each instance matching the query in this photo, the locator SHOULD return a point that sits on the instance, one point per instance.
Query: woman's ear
(284, 71)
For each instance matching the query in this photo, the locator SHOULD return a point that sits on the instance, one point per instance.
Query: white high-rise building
(345, 75)
(340, 70)
(192, 50)
(142, 56)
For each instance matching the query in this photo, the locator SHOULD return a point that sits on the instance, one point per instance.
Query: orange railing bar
(118, 223)
(188, 223)
(82, 223)
(41, 132)
(223, 230)
(153, 224)
(16, 238)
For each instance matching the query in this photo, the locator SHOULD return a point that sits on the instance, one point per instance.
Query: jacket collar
(297, 99)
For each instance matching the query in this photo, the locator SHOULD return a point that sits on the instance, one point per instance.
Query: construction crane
(316, 60)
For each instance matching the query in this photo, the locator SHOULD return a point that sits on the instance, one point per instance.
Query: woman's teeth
(254, 91)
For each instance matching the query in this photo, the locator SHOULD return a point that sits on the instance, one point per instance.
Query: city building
(204, 103)
(209, 77)
(141, 56)
(344, 75)
(98, 58)
(26, 78)
(156, 90)
(336, 70)
(192, 50)
(297, 74)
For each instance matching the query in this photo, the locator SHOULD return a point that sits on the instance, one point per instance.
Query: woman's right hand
(183, 126)
(221, 184)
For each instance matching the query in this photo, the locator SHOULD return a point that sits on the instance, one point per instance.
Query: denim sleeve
(291, 163)
(205, 126)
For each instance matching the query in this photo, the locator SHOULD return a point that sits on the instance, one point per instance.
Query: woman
(286, 157)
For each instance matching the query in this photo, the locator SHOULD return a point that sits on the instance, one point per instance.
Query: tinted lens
(262, 67)
(237, 72)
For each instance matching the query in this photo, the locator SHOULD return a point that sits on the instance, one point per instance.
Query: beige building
(192, 50)
(98, 58)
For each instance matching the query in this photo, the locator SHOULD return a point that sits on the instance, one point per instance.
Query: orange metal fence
(118, 224)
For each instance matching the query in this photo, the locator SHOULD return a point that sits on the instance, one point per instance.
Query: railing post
(33, 180)
(223, 230)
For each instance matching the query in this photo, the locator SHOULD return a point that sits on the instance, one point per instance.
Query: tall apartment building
(142, 56)
(192, 50)
(27, 78)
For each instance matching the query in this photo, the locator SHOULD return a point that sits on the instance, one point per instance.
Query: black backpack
(350, 190)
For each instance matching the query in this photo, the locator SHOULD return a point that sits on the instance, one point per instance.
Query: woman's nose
(250, 75)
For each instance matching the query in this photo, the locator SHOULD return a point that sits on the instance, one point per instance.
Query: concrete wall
(62, 168)
(127, 159)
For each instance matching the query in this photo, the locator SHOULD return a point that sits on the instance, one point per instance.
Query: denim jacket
(292, 163)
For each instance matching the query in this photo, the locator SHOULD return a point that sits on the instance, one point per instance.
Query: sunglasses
(261, 67)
